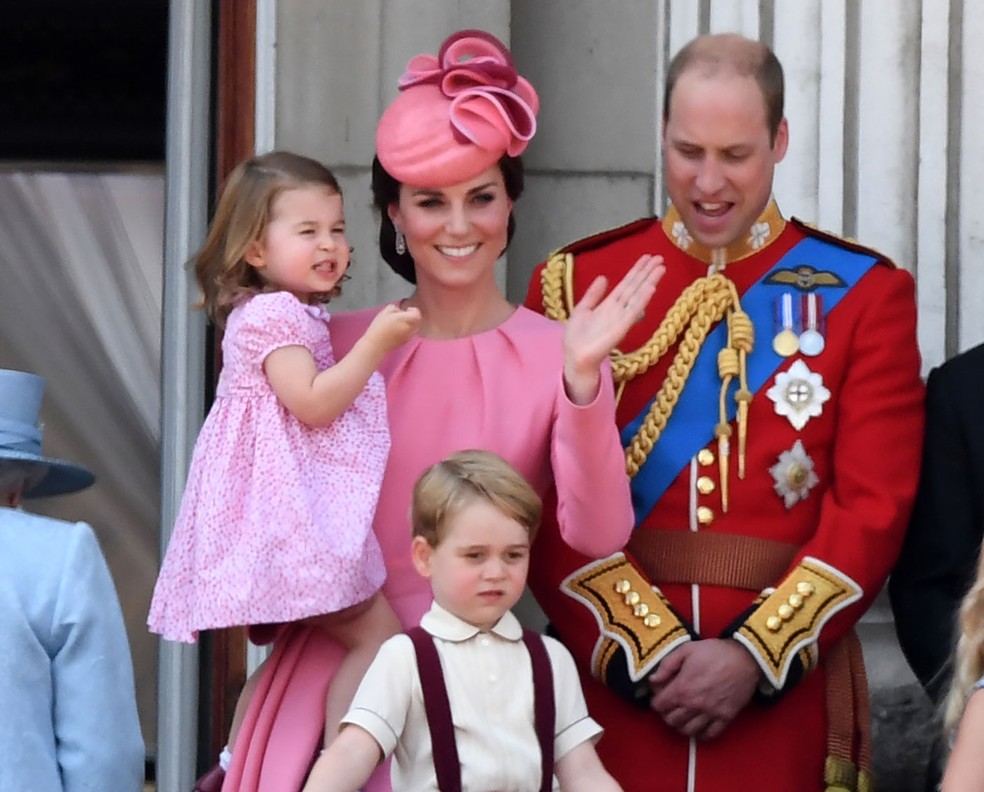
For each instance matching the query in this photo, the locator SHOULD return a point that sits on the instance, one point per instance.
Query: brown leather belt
(711, 559)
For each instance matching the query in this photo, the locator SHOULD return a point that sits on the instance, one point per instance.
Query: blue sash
(691, 425)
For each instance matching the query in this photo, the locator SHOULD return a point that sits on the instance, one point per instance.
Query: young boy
(474, 518)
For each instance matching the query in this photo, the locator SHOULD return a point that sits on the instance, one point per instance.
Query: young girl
(276, 521)
(964, 706)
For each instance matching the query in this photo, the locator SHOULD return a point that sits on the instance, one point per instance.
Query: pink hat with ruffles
(457, 114)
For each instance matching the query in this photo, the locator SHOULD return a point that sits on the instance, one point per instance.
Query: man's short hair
(461, 479)
(738, 55)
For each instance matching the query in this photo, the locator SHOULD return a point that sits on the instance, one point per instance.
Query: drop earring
(401, 243)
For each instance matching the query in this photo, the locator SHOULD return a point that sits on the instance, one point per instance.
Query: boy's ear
(420, 553)
(254, 255)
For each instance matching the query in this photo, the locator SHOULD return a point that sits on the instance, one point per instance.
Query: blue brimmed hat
(20, 436)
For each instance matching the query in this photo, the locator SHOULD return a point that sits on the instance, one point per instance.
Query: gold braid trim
(839, 775)
(698, 308)
(630, 612)
(557, 287)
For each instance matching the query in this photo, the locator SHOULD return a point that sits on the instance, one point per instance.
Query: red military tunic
(830, 535)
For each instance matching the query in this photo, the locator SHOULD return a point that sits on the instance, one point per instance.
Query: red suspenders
(438, 708)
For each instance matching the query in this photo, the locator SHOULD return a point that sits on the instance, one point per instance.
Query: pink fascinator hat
(457, 114)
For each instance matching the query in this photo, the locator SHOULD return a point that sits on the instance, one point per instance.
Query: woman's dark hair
(386, 191)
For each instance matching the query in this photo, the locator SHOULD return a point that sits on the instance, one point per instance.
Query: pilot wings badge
(805, 278)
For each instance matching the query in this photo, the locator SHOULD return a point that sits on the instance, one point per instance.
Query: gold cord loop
(699, 307)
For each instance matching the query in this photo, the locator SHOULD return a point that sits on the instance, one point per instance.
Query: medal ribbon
(691, 425)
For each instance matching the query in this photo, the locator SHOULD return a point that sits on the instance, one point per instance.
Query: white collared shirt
(489, 681)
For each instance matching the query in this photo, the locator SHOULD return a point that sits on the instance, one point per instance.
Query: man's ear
(254, 254)
(781, 142)
(420, 553)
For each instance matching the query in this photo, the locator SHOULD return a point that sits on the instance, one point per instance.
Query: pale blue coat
(68, 715)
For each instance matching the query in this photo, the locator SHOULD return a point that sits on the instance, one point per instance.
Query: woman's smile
(457, 251)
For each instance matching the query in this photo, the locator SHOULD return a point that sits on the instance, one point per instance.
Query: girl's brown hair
(241, 217)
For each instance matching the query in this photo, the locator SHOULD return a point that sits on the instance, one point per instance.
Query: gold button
(774, 623)
(796, 601)
(652, 620)
(705, 515)
(641, 610)
(623, 585)
(786, 612)
(632, 598)
(705, 485)
(805, 588)
(705, 456)
(797, 475)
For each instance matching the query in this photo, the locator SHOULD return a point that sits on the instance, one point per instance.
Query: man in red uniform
(771, 409)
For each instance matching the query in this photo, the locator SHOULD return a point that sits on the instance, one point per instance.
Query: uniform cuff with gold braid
(804, 660)
(781, 632)
(638, 627)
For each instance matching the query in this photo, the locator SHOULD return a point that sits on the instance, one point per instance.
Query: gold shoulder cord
(689, 320)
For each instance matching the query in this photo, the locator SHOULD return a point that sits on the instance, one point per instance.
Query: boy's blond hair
(464, 477)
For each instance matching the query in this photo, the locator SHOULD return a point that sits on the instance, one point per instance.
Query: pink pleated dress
(275, 524)
(501, 390)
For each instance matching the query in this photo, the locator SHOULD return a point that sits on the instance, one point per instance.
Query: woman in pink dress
(480, 373)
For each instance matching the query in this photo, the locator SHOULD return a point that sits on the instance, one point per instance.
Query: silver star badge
(794, 475)
(799, 394)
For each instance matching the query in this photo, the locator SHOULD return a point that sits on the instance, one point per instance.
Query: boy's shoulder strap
(437, 706)
(544, 706)
(438, 709)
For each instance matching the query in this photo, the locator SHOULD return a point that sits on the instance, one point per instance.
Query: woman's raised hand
(599, 322)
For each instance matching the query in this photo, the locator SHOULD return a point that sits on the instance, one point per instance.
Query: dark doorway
(83, 80)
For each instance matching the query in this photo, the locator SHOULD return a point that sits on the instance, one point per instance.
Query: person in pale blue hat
(69, 718)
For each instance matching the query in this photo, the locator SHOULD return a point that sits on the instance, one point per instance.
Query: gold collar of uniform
(764, 231)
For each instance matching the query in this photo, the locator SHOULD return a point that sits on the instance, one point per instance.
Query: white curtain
(80, 304)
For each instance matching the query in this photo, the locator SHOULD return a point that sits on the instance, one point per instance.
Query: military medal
(794, 475)
(786, 341)
(798, 394)
(811, 340)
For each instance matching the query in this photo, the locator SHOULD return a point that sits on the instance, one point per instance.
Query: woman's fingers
(600, 321)
(634, 291)
(594, 294)
(629, 294)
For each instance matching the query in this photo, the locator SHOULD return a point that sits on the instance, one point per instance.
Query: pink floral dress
(276, 520)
